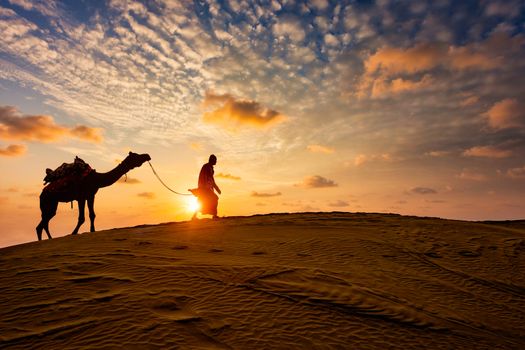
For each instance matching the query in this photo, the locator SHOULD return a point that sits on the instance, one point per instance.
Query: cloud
(461, 58)
(228, 176)
(360, 159)
(129, 180)
(196, 146)
(507, 113)
(265, 195)
(331, 40)
(437, 153)
(319, 4)
(289, 26)
(363, 158)
(386, 69)
(148, 195)
(516, 173)
(435, 201)
(13, 151)
(423, 190)
(236, 112)
(317, 181)
(48, 8)
(87, 134)
(42, 128)
(339, 204)
(469, 101)
(320, 149)
(426, 56)
(503, 8)
(399, 85)
(487, 152)
(471, 175)
(383, 87)
(391, 60)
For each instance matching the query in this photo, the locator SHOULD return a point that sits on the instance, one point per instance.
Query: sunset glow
(412, 107)
(193, 204)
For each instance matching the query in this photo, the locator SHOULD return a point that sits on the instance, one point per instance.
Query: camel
(84, 191)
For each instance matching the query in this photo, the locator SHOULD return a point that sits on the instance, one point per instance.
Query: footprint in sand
(215, 250)
(469, 254)
(173, 311)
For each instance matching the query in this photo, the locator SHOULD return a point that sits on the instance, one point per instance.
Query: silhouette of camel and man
(77, 181)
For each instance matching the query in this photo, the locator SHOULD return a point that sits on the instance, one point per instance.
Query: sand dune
(283, 281)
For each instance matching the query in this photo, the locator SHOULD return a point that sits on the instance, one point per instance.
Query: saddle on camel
(66, 177)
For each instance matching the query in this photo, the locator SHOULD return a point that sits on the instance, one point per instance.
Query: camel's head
(134, 160)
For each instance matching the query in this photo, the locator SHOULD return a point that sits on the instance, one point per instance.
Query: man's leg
(214, 205)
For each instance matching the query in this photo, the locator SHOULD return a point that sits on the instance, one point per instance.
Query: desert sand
(280, 281)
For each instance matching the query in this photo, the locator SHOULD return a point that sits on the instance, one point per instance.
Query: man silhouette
(205, 192)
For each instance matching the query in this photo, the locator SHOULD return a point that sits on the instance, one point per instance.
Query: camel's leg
(91, 208)
(39, 228)
(81, 217)
(46, 227)
(48, 209)
(44, 223)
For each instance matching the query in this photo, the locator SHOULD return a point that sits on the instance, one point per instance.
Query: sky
(410, 107)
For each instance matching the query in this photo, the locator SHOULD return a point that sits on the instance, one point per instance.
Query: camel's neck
(112, 176)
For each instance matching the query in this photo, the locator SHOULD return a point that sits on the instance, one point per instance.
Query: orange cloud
(339, 203)
(469, 101)
(470, 175)
(467, 57)
(236, 112)
(42, 128)
(363, 158)
(487, 152)
(211, 99)
(386, 69)
(508, 113)
(87, 134)
(129, 180)
(360, 159)
(320, 149)
(437, 153)
(424, 57)
(423, 190)
(516, 173)
(317, 181)
(148, 195)
(265, 195)
(383, 87)
(13, 150)
(228, 176)
(412, 60)
(196, 146)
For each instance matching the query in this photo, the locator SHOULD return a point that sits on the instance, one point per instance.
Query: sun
(192, 204)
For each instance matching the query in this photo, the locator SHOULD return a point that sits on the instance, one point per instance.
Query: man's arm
(216, 187)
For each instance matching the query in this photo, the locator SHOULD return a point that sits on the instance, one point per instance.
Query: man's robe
(207, 198)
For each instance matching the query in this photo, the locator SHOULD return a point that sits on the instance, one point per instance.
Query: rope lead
(162, 182)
